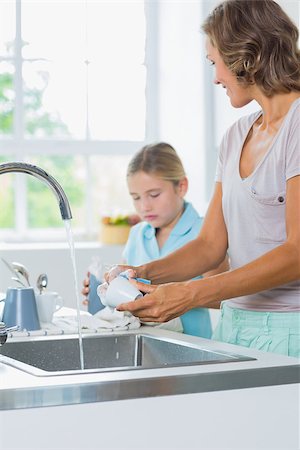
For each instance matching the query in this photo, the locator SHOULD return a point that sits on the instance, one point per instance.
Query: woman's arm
(204, 253)
(277, 267)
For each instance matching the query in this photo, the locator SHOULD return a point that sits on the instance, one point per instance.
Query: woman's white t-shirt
(254, 207)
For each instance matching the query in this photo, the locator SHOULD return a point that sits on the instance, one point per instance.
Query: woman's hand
(161, 303)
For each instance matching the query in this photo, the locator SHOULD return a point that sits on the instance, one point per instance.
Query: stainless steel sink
(60, 356)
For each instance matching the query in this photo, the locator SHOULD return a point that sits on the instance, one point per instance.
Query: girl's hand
(86, 289)
(115, 270)
(161, 303)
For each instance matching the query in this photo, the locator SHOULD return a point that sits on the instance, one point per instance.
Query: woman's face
(158, 202)
(239, 95)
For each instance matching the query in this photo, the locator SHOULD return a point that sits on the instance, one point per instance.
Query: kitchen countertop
(23, 390)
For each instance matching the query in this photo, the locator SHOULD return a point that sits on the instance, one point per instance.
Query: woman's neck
(274, 108)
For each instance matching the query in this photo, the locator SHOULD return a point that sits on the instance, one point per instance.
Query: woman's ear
(183, 187)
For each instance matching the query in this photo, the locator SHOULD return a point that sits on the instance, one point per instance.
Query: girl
(157, 184)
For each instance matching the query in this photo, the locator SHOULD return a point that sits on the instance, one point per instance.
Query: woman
(254, 213)
(158, 184)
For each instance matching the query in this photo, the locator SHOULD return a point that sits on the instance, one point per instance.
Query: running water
(72, 249)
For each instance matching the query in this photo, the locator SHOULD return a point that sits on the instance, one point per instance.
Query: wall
(181, 87)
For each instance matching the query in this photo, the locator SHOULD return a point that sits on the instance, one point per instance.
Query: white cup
(47, 304)
(118, 291)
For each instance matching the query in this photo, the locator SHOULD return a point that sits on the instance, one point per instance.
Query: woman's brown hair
(160, 160)
(258, 43)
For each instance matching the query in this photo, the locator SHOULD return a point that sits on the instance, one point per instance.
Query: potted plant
(115, 229)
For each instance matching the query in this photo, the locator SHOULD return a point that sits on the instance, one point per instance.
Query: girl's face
(158, 202)
(239, 95)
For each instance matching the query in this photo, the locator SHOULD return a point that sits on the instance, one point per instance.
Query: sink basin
(60, 356)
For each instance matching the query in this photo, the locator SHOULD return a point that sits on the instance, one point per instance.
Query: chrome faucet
(37, 172)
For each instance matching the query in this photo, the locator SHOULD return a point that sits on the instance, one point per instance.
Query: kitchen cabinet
(251, 404)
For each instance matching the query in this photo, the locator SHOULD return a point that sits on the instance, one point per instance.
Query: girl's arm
(223, 267)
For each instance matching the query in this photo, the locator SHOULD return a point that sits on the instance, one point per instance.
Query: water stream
(72, 249)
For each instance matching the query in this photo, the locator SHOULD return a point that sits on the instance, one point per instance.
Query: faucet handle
(4, 330)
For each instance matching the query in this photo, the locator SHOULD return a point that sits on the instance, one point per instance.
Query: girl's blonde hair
(160, 160)
(258, 43)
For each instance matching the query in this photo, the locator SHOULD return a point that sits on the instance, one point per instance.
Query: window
(77, 100)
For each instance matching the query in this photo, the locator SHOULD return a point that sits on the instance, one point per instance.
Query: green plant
(120, 219)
